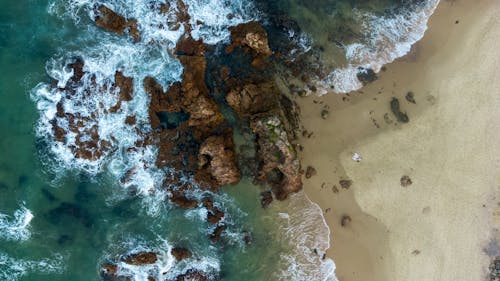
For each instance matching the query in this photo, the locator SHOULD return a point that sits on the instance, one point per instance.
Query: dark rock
(345, 184)
(109, 272)
(266, 198)
(325, 113)
(366, 75)
(214, 237)
(214, 215)
(310, 171)
(410, 97)
(3, 186)
(405, 181)
(180, 253)
(345, 220)
(396, 110)
(247, 238)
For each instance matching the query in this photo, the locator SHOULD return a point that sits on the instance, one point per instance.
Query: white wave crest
(16, 227)
(387, 38)
(309, 236)
(14, 269)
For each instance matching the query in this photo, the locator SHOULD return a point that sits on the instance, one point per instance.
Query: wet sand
(441, 226)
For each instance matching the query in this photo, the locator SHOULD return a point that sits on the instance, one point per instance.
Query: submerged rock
(396, 110)
(192, 275)
(266, 198)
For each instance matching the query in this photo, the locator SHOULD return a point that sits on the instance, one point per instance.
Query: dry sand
(439, 227)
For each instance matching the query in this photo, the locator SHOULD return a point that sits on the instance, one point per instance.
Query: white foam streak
(309, 236)
(387, 38)
(216, 16)
(16, 227)
(14, 269)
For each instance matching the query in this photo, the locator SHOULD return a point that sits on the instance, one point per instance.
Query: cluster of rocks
(192, 133)
(87, 142)
(110, 271)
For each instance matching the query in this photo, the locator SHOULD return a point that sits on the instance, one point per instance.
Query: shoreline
(414, 232)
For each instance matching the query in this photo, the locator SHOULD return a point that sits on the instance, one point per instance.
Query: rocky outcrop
(192, 275)
(180, 253)
(253, 98)
(252, 38)
(111, 21)
(279, 165)
(217, 159)
(142, 258)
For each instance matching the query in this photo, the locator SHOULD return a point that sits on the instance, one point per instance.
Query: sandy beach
(444, 224)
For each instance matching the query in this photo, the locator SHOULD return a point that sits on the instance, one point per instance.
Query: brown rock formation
(250, 36)
(253, 98)
(279, 165)
(217, 157)
(180, 253)
(266, 198)
(214, 215)
(140, 258)
(192, 275)
(111, 21)
(214, 237)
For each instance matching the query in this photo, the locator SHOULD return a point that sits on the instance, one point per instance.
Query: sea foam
(386, 38)
(12, 269)
(308, 235)
(16, 227)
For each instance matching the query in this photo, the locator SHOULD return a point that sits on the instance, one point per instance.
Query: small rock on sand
(345, 220)
(405, 181)
(310, 171)
(345, 184)
(325, 113)
(410, 97)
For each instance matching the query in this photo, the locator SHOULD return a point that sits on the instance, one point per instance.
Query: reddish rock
(109, 271)
(253, 98)
(126, 90)
(111, 21)
(142, 258)
(192, 275)
(214, 215)
(180, 199)
(217, 156)
(251, 35)
(180, 253)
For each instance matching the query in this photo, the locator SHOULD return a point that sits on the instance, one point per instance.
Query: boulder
(217, 156)
(180, 253)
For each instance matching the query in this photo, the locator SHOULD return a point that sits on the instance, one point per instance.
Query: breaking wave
(386, 38)
(309, 235)
(14, 269)
(16, 227)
